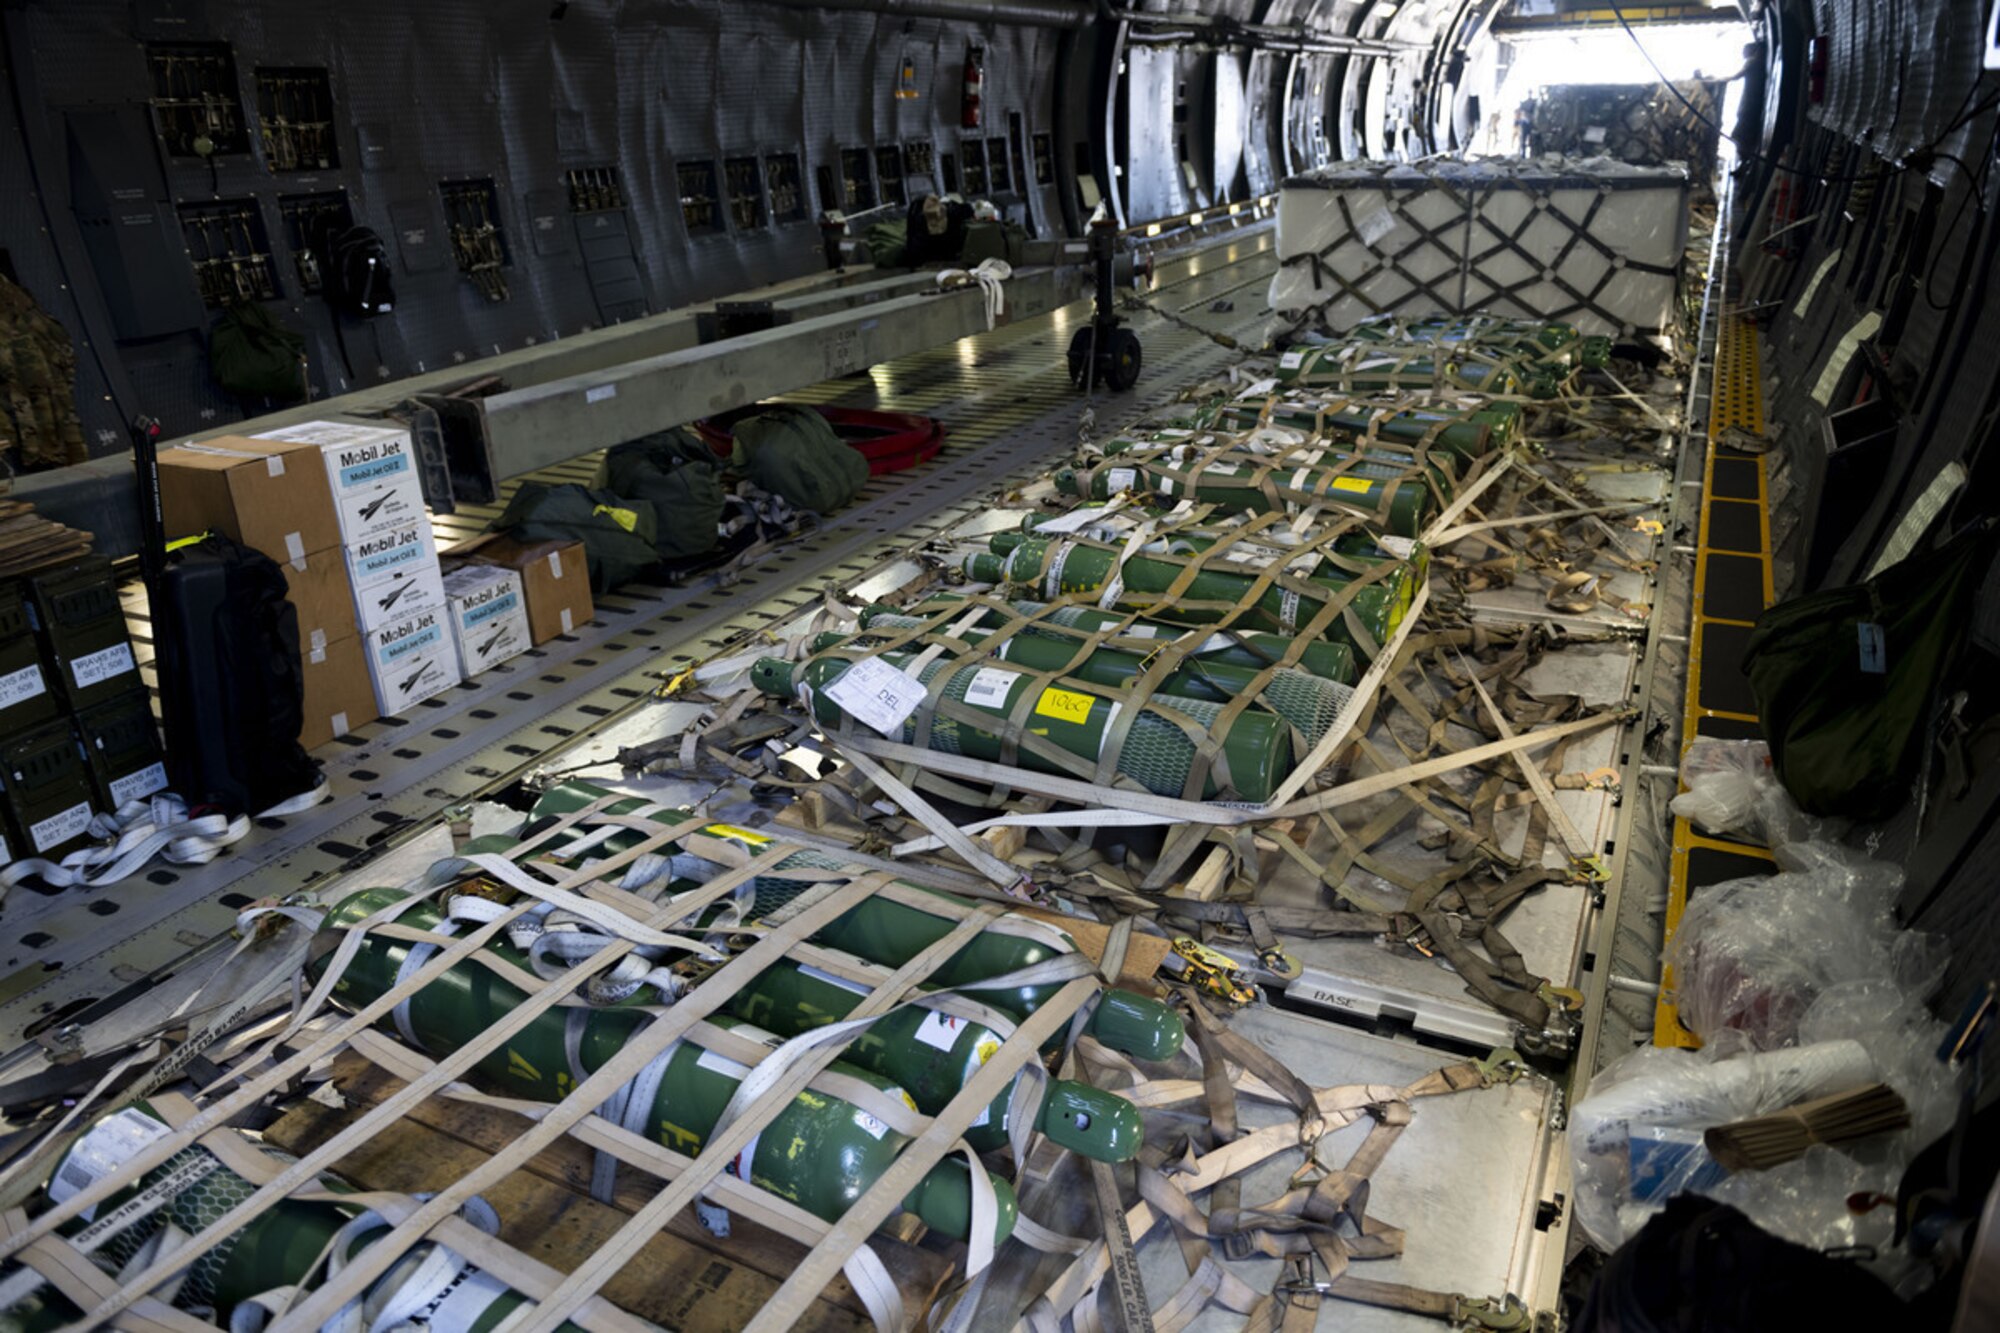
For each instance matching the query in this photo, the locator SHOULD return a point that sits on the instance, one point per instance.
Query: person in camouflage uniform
(38, 424)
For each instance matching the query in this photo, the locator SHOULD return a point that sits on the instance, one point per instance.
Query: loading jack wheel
(1115, 363)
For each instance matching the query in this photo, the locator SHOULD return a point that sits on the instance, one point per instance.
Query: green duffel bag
(993, 240)
(886, 242)
(254, 356)
(680, 476)
(1847, 679)
(617, 532)
(793, 452)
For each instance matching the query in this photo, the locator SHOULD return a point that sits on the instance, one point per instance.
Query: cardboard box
(489, 616)
(417, 589)
(270, 495)
(555, 579)
(407, 550)
(359, 456)
(339, 695)
(318, 585)
(410, 660)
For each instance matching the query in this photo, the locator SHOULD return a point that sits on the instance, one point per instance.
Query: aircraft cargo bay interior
(1044, 665)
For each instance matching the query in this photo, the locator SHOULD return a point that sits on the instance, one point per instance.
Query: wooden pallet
(686, 1278)
(29, 542)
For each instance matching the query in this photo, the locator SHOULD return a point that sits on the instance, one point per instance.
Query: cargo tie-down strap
(1322, 1216)
(159, 825)
(585, 894)
(1459, 250)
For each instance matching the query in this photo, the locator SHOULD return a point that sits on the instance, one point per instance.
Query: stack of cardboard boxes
(338, 504)
(391, 560)
(76, 725)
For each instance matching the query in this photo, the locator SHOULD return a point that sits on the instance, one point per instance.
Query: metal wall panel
(473, 91)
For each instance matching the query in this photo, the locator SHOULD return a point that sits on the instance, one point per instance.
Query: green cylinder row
(820, 1152)
(1319, 657)
(1301, 699)
(1256, 753)
(1365, 488)
(1084, 567)
(927, 1054)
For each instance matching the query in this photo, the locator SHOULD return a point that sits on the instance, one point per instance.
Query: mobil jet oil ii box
(394, 574)
(372, 469)
(489, 616)
(412, 659)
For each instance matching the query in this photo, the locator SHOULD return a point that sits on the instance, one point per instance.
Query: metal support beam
(538, 425)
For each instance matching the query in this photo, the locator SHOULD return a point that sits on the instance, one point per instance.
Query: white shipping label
(1120, 479)
(876, 694)
(1595, 134)
(722, 1064)
(989, 687)
(103, 664)
(555, 564)
(58, 829)
(111, 1142)
(1372, 227)
(875, 1128)
(131, 787)
(17, 687)
(940, 1030)
(1400, 547)
(601, 393)
(985, 1114)
(1291, 360)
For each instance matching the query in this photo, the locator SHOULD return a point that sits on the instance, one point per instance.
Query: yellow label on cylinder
(1064, 705)
(731, 831)
(1349, 484)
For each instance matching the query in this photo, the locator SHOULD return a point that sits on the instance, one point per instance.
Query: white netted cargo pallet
(1588, 241)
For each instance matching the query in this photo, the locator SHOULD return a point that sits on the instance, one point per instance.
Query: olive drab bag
(794, 452)
(1847, 679)
(252, 355)
(617, 531)
(679, 475)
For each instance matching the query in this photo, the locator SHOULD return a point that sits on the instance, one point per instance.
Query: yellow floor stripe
(1737, 401)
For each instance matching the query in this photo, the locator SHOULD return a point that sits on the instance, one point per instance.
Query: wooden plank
(685, 1279)
(1143, 954)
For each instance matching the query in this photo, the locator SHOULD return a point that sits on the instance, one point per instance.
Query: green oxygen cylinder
(1320, 657)
(1524, 339)
(1303, 700)
(933, 1054)
(1068, 567)
(820, 1152)
(1255, 754)
(890, 933)
(280, 1247)
(1364, 489)
(1466, 433)
(1400, 368)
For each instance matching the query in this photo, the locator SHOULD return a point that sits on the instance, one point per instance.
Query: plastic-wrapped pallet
(1591, 242)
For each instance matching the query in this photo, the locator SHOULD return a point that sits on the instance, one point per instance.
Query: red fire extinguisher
(975, 84)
